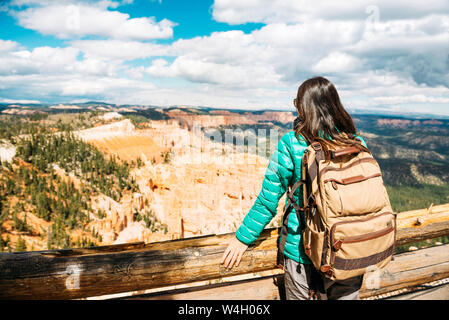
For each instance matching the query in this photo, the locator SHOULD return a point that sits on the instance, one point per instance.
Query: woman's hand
(233, 253)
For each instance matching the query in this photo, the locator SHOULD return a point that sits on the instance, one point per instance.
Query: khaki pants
(299, 278)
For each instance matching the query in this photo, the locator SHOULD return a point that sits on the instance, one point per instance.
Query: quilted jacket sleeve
(277, 176)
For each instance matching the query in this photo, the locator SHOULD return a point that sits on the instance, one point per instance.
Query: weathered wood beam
(418, 225)
(416, 234)
(63, 275)
(405, 271)
(264, 288)
(76, 273)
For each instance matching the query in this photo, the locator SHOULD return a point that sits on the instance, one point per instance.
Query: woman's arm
(277, 177)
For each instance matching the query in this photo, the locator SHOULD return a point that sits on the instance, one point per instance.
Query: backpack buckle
(327, 270)
(337, 245)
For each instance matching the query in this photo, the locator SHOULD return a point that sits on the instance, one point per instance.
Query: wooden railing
(96, 271)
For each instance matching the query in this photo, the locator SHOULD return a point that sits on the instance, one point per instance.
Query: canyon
(202, 189)
(190, 185)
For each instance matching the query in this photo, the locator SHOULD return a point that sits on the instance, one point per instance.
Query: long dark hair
(322, 117)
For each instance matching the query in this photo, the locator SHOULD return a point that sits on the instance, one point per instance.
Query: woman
(322, 117)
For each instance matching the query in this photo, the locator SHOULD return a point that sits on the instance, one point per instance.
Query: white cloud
(48, 60)
(18, 101)
(383, 53)
(118, 49)
(57, 87)
(337, 62)
(41, 59)
(7, 45)
(135, 73)
(425, 34)
(233, 48)
(357, 56)
(274, 11)
(373, 88)
(275, 55)
(214, 73)
(416, 98)
(113, 88)
(66, 21)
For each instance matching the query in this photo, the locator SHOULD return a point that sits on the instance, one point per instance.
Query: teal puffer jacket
(284, 167)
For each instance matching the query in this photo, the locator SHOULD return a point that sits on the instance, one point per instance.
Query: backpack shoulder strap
(291, 189)
(310, 172)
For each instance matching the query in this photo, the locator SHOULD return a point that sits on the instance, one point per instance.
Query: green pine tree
(20, 245)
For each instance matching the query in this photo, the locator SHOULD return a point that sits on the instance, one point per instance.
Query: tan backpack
(349, 223)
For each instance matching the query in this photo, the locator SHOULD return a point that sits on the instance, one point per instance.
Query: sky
(251, 54)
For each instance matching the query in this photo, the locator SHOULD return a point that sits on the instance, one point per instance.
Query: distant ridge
(112, 106)
(386, 113)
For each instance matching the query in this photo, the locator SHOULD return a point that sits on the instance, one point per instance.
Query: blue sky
(192, 18)
(225, 53)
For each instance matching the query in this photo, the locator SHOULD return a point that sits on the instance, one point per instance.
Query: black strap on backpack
(291, 189)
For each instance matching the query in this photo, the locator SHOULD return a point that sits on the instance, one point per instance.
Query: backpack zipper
(371, 235)
(372, 160)
(353, 179)
(368, 236)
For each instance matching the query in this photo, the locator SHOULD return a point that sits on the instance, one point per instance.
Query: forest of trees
(30, 183)
(15, 125)
(45, 195)
(108, 176)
